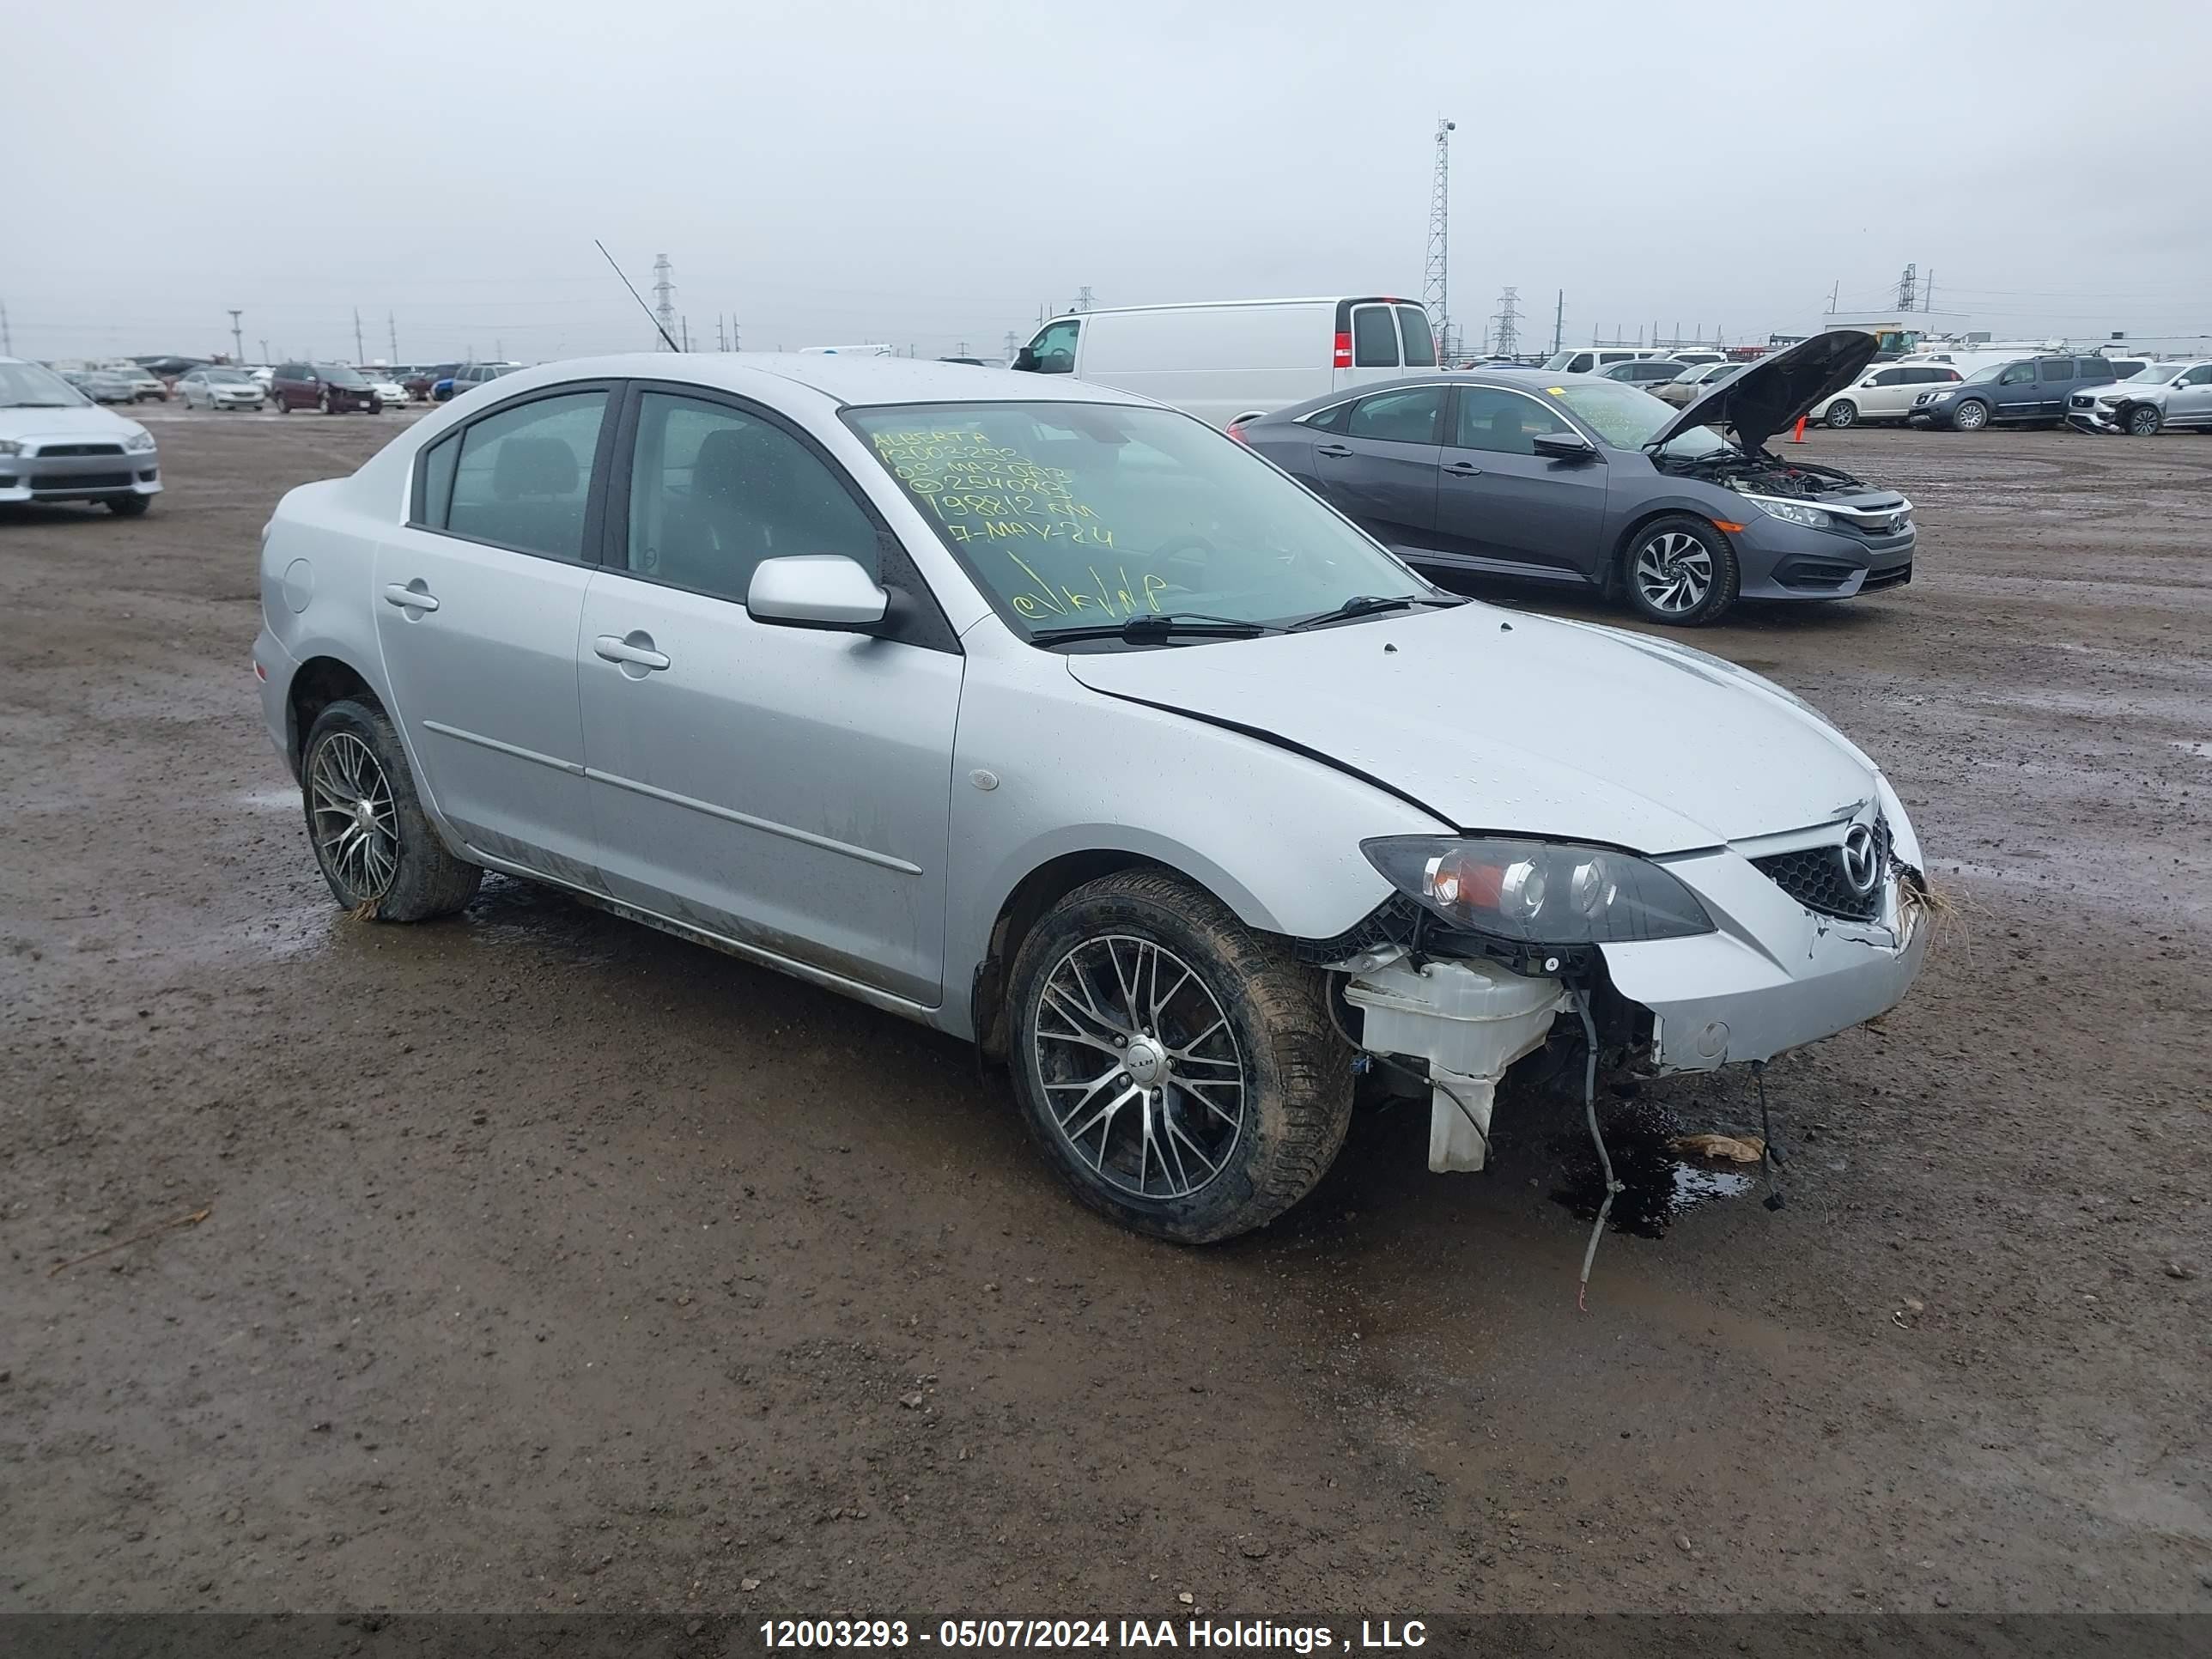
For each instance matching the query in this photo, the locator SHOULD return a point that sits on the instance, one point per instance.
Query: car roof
(844, 380)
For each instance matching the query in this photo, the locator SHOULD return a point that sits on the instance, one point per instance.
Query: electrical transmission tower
(1082, 299)
(1506, 324)
(1559, 322)
(1904, 287)
(664, 289)
(1014, 342)
(1434, 297)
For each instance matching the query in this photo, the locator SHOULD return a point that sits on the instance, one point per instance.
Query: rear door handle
(637, 650)
(1464, 470)
(411, 596)
(1335, 452)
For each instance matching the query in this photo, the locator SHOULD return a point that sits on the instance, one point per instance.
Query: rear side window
(520, 478)
(1331, 420)
(2055, 368)
(1420, 346)
(2093, 368)
(1411, 416)
(1374, 338)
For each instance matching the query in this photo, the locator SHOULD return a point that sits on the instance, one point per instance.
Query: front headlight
(1796, 512)
(1538, 892)
(140, 443)
(10, 446)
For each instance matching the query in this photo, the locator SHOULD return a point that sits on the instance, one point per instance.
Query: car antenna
(634, 293)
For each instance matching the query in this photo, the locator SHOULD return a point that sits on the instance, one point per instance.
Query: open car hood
(1506, 721)
(1775, 391)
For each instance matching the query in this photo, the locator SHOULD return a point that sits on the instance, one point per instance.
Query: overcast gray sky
(933, 174)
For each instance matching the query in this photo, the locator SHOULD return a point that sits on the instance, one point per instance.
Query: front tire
(1680, 570)
(324, 404)
(1969, 417)
(376, 846)
(1841, 413)
(2143, 421)
(1177, 1069)
(129, 506)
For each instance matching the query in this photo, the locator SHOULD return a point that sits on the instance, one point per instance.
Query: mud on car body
(1053, 718)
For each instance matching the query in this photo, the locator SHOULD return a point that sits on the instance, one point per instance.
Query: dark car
(420, 382)
(1572, 479)
(2026, 392)
(467, 377)
(331, 387)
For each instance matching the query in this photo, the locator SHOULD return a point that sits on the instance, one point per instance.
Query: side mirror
(1025, 360)
(821, 590)
(1564, 447)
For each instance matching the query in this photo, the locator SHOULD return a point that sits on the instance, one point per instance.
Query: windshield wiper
(30, 405)
(1162, 624)
(1366, 605)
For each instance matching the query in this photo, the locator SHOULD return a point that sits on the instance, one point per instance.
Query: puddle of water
(1657, 1185)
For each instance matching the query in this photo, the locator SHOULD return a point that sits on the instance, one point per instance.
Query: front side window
(1054, 349)
(1374, 337)
(1894, 376)
(714, 490)
(2200, 375)
(520, 477)
(1411, 416)
(2017, 375)
(1503, 422)
(1072, 515)
(1421, 344)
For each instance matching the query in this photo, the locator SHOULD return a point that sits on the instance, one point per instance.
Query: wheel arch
(317, 683)
(1616, 565)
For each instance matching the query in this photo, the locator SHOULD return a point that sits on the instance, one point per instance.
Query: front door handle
(634, 651)
(1333, 452)
(411, 596)
(1464, 470)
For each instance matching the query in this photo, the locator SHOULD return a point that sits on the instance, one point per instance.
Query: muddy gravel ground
(545, 1262)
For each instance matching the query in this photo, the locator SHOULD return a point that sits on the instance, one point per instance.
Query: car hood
(1499, 721)
(1776, 390)
(88, 421)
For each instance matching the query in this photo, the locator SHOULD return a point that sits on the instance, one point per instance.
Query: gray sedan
(1048, 717)
(1578, 481)
(218, 387)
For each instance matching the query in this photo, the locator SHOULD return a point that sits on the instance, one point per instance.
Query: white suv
(2178, 395)
(1885, 392)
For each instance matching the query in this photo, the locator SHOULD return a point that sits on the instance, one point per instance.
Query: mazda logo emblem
(1862, 860)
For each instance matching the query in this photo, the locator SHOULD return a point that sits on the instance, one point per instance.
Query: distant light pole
(237, 335)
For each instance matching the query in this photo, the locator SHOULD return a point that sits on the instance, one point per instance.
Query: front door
(479, 599)
(1380, 466)
(783, 788)
(1501, 507)
(2190, 402)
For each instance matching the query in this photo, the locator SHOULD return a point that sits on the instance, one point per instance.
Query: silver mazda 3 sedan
(1055, 718)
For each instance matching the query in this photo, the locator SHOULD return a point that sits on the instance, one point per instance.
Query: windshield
(1073, 515)
(2157, 371)
(226, 376)
(25, 385)
(339, 374)
(1988, 372)
(1628, 418)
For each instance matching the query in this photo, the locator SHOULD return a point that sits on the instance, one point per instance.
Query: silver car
(218, 387)
(57, 444)
(1053, 718)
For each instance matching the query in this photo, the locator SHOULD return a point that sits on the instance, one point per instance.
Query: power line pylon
(1435, 296)
(664, 289)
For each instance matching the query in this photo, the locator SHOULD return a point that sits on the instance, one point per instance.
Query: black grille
(48, 451)
(1896, 576)
(80, 480)
(1815, 879)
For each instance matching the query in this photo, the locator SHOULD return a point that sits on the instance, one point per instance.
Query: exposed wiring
(1580, 998)
(1770, 1154)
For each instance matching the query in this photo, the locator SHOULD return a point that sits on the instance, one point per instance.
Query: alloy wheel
(1674, 572)
(1970, 417)
(2143, 422)
(1144, 1077)
(356, 823)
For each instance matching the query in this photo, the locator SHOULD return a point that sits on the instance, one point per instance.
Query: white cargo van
(1587, 359)
(1236, 358)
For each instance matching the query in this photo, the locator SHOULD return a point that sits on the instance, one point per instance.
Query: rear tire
(2143, 421)
(1841, 413)
(1969, 417)
(1177, 1069)
(1679, 570)
(377, 849)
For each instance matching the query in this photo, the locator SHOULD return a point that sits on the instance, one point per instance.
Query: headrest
(533, 466)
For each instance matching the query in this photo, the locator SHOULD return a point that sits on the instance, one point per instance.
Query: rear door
(1501, 507)
(1367, 348)
(786, 789)
(477, 601)
(1379, 465)
(2054, 382)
